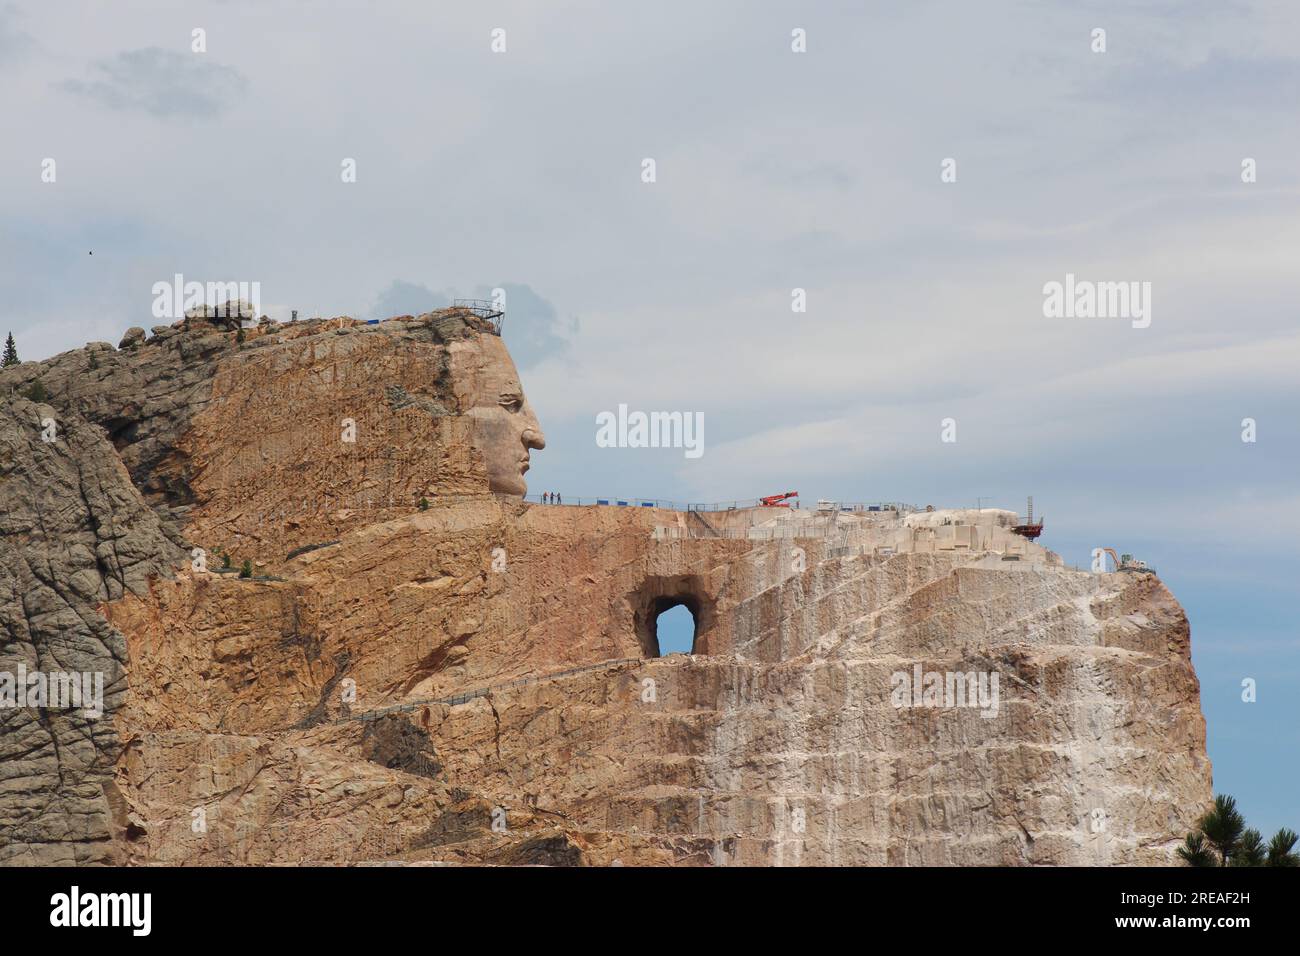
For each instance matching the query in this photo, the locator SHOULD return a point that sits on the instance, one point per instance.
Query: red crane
(777, 501)
(1029, 529)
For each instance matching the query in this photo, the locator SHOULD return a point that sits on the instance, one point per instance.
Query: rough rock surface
(74, 532)
(479, 682)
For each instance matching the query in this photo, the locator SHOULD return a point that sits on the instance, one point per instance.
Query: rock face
(74, 532)
(479, 680)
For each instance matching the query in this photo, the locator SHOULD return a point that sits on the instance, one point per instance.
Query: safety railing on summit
(559, 498)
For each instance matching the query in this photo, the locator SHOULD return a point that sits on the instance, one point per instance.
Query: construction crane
(1029, 529)
(777, 501)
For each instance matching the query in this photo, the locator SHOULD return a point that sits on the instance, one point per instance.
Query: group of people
(552, 498)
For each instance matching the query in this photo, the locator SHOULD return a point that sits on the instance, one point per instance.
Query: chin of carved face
(505, 428)
(509, 485)
(505, 436)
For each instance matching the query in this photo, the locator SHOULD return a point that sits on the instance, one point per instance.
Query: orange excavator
(778, 501)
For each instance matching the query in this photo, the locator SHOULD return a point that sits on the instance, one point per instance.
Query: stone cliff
(423, 667)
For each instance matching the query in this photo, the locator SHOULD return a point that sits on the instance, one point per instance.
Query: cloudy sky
(775, 170)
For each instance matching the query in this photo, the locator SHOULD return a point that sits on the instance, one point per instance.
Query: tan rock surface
(790, 709)
(528, 718)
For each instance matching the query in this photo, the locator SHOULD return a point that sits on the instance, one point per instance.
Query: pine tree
(11, 353)
(1195, 851)
(1221, 839)
(36, 392)
(1222, 827)
(1280, 849)
(1251, 850)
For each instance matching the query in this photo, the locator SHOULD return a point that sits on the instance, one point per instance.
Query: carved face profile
(488, 391)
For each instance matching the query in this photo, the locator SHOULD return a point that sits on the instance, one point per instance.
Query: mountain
(419, 665)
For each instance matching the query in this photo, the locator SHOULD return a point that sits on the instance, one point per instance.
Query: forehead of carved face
(488, 391)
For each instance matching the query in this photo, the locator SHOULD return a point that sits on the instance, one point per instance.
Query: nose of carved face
(530, 437)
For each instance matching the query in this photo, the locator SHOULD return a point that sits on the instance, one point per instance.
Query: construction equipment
(778, 501)
(1029, 529)
(1126, 562)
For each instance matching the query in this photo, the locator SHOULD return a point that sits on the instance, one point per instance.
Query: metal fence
(484, 309)
(820, 530)
(737, 505)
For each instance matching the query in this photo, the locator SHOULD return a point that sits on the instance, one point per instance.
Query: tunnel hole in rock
(673, 616)
(675, 630)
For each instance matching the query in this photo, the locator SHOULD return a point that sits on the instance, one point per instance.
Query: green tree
(36, 392)
(1281, 849)
(1222, 839)
(424, 504)
(1251, 850)
(246, 569)
(11, 353)
(1195, 852)
(1223, 827)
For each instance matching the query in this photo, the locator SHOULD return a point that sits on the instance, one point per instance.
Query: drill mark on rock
(496, 722)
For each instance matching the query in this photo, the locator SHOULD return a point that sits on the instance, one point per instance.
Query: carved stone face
(489, 392)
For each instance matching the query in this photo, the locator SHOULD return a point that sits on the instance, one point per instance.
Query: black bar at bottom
(331, 906)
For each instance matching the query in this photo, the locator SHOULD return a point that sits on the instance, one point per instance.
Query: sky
(523, 169)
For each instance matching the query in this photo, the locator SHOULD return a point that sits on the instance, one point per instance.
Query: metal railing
(851, 507)
(819, 530)
(484, 309)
